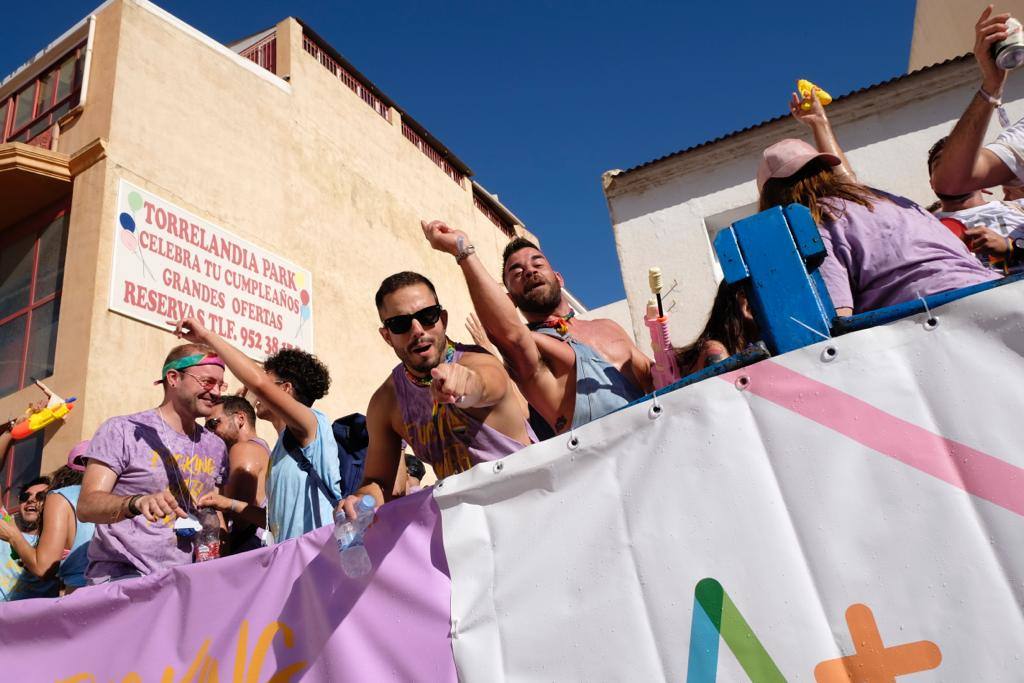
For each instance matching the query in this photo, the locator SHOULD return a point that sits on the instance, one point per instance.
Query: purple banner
(284, 613)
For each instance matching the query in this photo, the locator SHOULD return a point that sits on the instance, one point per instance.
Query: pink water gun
(665, 370)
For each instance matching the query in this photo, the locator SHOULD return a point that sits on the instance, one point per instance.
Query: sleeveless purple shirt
(449, 439)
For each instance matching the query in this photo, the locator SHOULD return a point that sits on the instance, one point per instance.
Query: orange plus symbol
(874, 662)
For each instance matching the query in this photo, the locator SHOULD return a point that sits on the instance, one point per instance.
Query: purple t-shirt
(891, 253)
(149, 456)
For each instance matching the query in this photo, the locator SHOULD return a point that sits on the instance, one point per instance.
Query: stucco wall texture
(300, 166)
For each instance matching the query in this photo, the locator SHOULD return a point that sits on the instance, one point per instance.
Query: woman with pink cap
(64, 541)
(881, 249)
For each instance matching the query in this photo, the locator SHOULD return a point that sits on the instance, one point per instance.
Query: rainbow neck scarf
(556, 323)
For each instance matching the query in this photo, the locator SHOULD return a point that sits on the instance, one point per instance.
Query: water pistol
(665, 370)
(804, 87)
(56, 409)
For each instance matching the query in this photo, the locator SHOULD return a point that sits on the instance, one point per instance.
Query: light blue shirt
(295, 504)
(72, 568)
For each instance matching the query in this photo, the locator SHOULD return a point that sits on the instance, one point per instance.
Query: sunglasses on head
(25, 496)
(427, 317)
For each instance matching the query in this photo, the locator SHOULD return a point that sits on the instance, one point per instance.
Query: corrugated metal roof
(848, 95)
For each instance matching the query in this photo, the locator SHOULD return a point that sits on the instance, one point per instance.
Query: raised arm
(965, 165)
(816, 119)
(300, 419)
(497, 313)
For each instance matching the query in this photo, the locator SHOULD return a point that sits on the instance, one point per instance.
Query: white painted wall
(661, 214)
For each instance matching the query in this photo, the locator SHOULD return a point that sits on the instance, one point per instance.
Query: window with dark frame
(23, 464)
(31, 280)
(29, 114)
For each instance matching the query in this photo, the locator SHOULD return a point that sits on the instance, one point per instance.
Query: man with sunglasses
(147, 470)
(571, 371)
(234, 421)
(453, 404)
(284, 390)
(16, 582)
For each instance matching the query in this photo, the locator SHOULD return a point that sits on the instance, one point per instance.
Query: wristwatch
(133, 509)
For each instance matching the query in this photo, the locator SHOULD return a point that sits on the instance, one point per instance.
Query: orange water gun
(56, 408)
(805, 87)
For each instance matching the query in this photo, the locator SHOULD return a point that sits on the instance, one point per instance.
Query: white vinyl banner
(853, 511)
(170, 264)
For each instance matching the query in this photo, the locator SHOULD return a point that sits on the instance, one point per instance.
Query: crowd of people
(129, 500)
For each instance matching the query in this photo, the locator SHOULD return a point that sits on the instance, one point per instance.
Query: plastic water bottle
(207, 541)
(349, 533)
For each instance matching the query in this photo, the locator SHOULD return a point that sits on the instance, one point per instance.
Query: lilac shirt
(139, 448)
(891, 254)
(452, 441)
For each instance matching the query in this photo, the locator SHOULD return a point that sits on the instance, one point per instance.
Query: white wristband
(995, 101)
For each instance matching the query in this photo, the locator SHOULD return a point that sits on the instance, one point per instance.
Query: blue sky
(539, 98)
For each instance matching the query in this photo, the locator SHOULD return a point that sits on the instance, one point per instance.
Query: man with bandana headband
(571, 371)
(147, 470)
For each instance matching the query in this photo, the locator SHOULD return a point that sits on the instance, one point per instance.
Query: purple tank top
(449, 438)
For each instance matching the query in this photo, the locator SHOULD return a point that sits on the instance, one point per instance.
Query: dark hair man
(234, 421)
(571, 371)
(16, 581)
(146, 470)
(994, 229)
(286, 387)
(453, 404)
(965, 165)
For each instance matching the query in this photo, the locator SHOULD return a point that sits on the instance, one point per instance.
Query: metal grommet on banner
(829, 354)
(574, 441)
(498, 466)
(742, 382)
(931, 322)
(439, 484)
(655, 412)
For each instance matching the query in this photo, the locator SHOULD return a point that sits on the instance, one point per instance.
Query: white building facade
(666, 212)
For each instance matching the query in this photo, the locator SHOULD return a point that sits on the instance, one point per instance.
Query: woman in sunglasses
(63, 543)
(16, 582)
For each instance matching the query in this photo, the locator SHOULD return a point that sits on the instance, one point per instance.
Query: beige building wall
(302, 167)
(944, 29)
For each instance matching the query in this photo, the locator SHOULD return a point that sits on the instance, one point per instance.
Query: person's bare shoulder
(248, 455)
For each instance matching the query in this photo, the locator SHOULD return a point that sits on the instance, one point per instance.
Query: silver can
(1009, 52)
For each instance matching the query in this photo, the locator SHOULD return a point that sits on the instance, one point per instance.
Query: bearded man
(571, 371)
(452, 403)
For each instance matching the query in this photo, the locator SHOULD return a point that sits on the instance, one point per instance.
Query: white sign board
(170, 264)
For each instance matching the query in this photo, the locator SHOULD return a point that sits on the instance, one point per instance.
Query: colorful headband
(188, 362)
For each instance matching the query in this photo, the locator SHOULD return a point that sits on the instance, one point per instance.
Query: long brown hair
(813, 183)
(727, 325)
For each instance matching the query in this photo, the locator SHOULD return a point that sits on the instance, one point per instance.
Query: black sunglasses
(25, 496)
(212, 423)
(427, 317)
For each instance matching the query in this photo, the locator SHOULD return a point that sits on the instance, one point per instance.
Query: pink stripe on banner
(978, 473)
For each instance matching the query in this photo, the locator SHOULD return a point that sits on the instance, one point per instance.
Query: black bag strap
(291, 446)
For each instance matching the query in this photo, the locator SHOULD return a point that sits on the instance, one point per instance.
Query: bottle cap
(367, 502)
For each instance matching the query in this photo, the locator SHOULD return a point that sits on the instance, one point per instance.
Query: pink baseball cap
(76, 461)
(786, 157)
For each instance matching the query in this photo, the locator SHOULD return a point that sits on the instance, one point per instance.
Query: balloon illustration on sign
(128, 237)
(305, 312)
